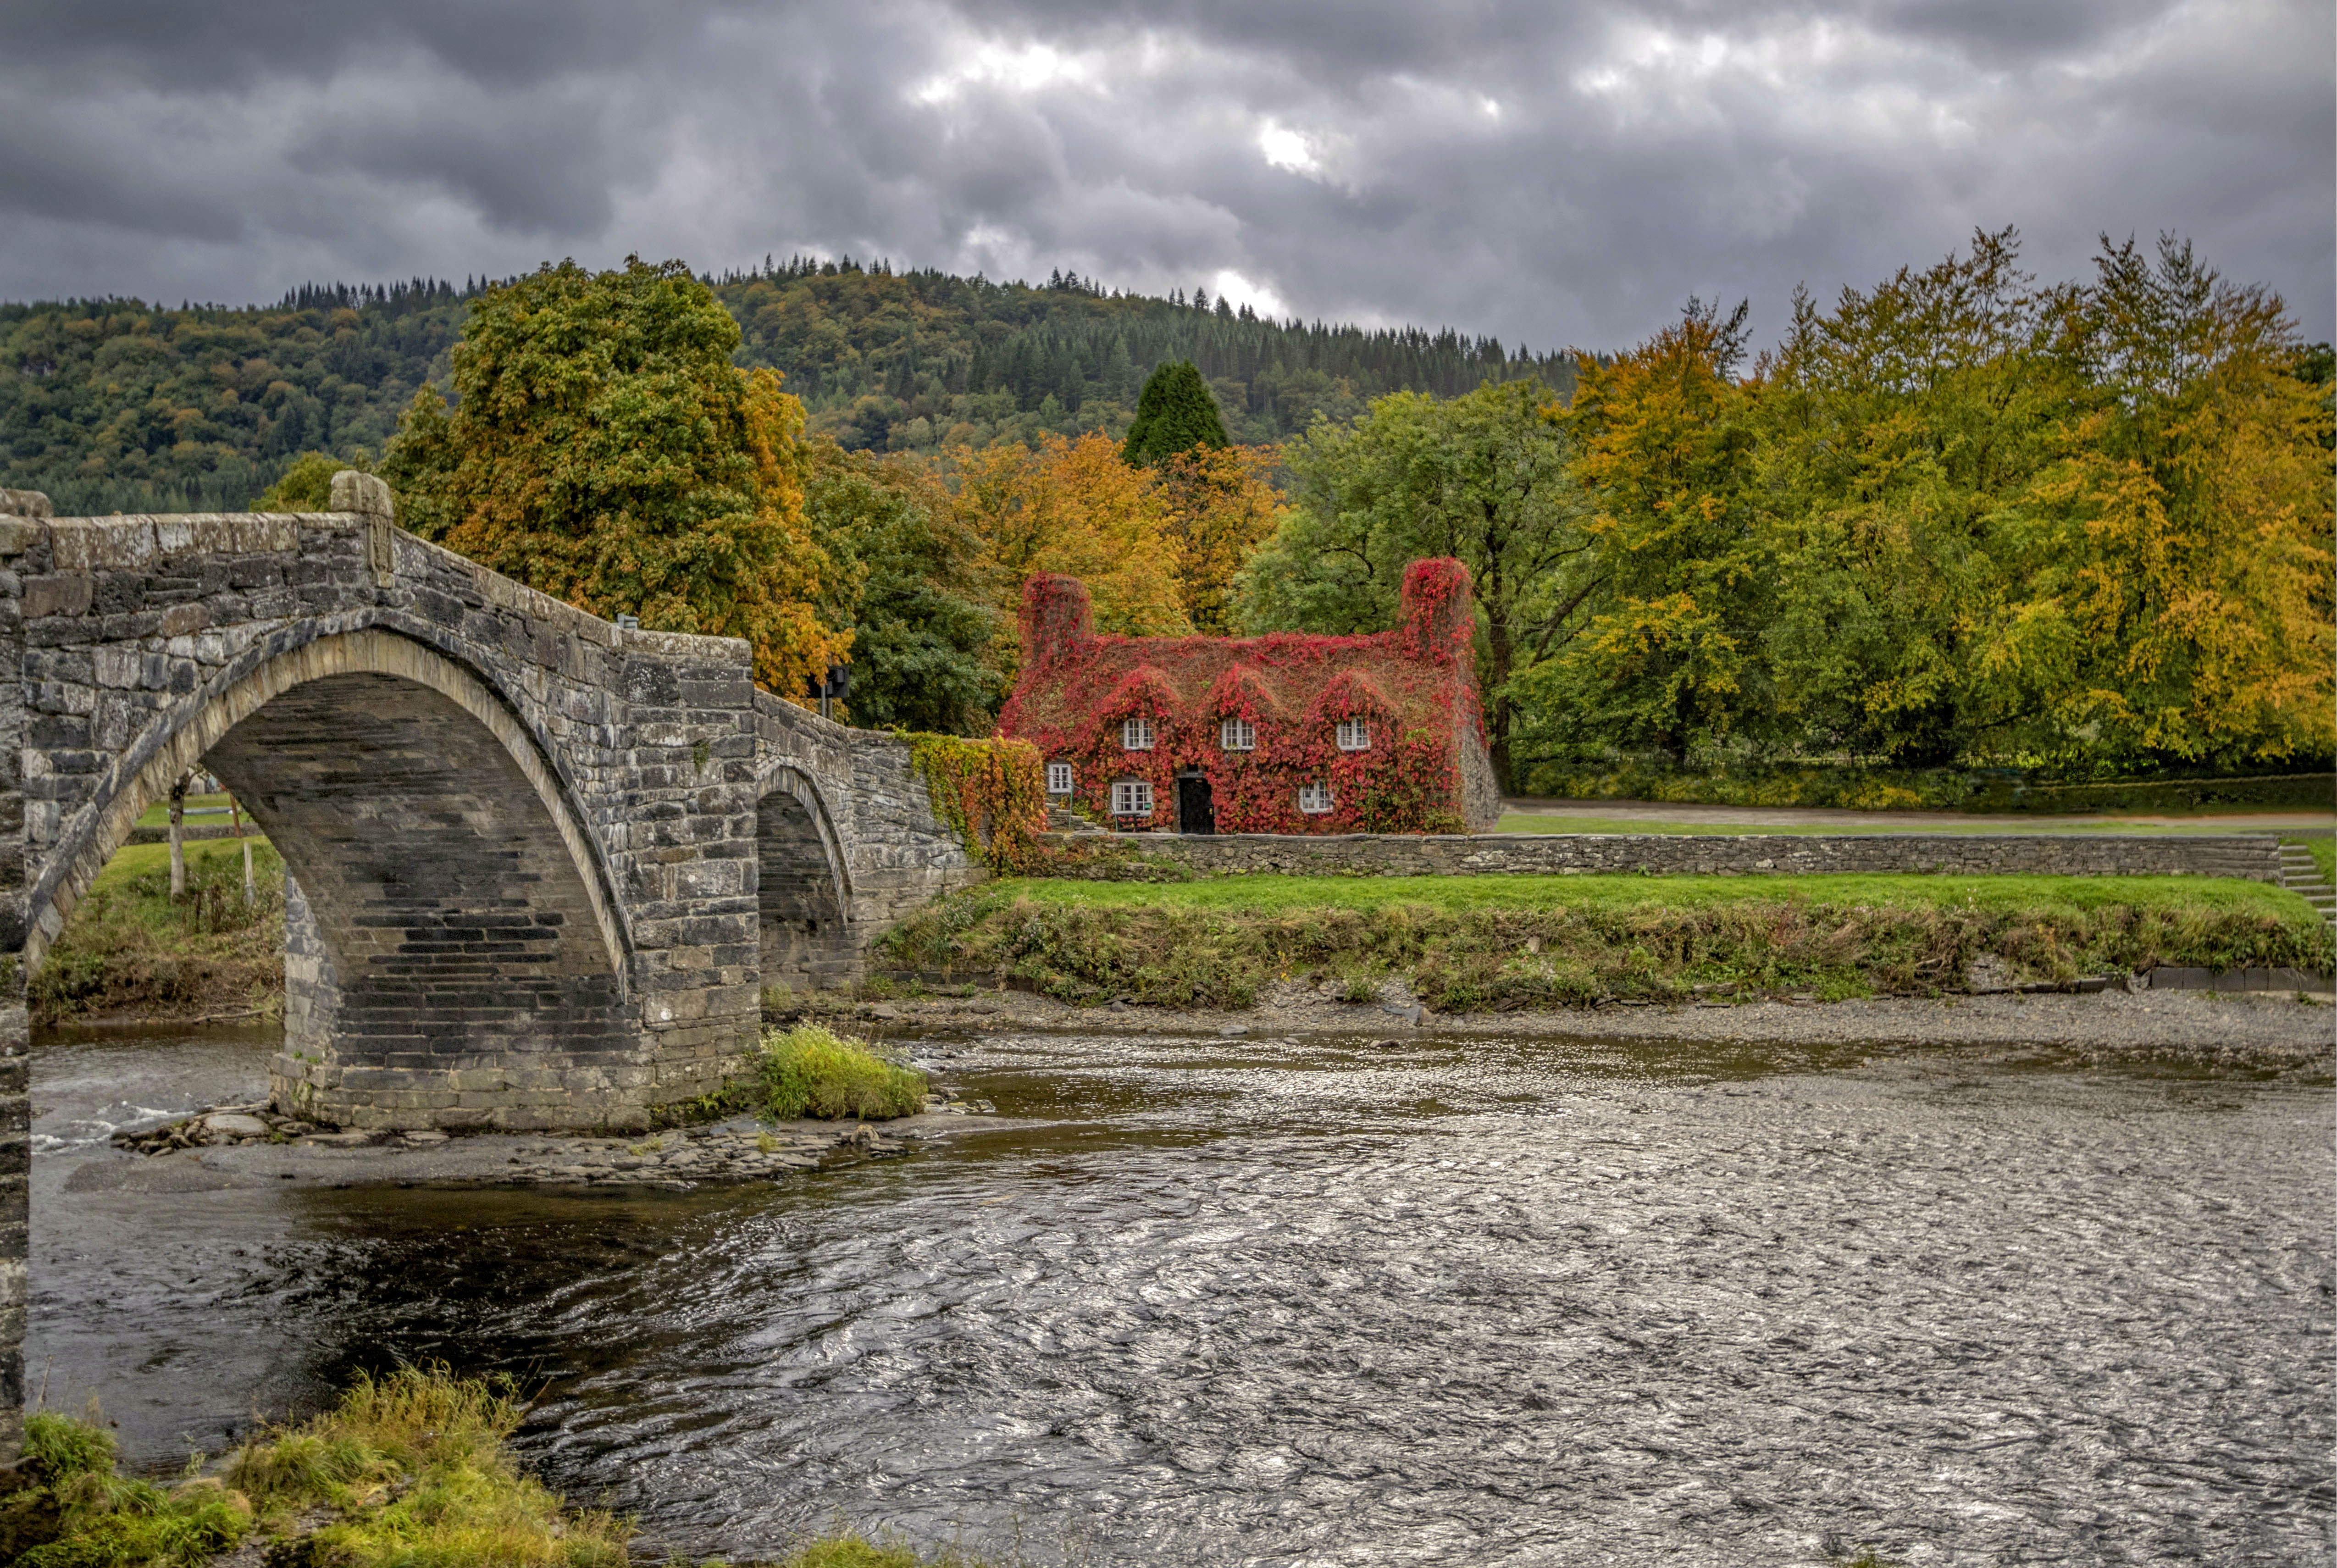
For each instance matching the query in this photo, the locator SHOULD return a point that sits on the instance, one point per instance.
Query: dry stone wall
(2255, 857)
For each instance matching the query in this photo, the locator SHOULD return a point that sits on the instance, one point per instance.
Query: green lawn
(138, 859)
(1276, 895)
(160, 816)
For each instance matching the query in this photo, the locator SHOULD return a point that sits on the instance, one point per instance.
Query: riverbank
(1524, 943)
(2288, 1034)
(130, 951)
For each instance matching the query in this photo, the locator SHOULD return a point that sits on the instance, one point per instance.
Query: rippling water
(1233, 1301)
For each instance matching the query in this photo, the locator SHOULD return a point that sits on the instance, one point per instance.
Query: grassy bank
(131, 948)
(412, 1470)
(408, 1470)
(1469, 944)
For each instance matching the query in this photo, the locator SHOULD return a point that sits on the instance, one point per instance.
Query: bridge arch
(803, 882)
(459, 904)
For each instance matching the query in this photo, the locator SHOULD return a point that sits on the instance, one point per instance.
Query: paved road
(1657, 816)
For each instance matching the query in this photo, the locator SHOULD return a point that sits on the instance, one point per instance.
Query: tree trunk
(235, 820)
(178, 843)
(1499, 661)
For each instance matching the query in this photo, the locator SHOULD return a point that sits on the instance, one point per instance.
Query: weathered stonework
(538, 865)
(2255, 857)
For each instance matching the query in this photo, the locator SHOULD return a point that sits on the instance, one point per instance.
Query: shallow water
(1240, 1302)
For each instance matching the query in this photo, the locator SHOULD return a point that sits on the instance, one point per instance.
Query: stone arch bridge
(540, 868)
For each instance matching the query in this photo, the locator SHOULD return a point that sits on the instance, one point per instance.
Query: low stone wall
(2253, 856)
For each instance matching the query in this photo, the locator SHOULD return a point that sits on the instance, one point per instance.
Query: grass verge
(1501, 942)
(812, 1071)
(412, 1470)
(1883, 822)
(130, 947)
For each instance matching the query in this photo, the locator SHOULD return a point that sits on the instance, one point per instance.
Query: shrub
(810, 1071)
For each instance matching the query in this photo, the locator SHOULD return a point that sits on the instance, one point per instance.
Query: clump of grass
(410, 1471)
(850, 1549)
(811, 1070)
(415, 1469)
(78, 1514)
(130, 947)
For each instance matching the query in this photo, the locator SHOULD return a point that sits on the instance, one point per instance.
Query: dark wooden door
(1194, 812)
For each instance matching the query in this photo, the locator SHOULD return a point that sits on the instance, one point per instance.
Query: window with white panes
(1314, 799)
(1355, 735)
(1136, 734)
(1131, 798)
(1058, 777)
(1238, 735)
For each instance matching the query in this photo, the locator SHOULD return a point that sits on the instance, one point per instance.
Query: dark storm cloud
(1563, 173)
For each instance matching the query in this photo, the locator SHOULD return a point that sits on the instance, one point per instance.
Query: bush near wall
(1922, 790)
(991, 793)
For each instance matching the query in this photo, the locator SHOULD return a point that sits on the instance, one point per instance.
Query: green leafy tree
(604, 450)
(1483, 477)
(912, 584)
(1174, 414)
(1898, 436)
(307, 485)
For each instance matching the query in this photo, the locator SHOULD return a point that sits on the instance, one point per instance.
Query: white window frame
(1355, 735)
(1315, 799)
(1059, 779)
(1236, 735)
(1135, 734)
(1131, 798)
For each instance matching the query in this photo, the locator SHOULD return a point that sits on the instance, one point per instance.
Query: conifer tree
(1174, 414)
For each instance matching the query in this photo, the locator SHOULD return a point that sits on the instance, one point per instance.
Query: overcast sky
(1559, 173)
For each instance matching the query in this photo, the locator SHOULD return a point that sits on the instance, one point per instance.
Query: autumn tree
(1483, 477)
(603, 449)
(1174, 414)
(1219, 505)
(1072, 507)
(1679, 571)
(2190, 519)
(1896, 438)
(307, 483)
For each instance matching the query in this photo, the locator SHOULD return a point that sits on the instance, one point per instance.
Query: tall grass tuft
(409, 1471)
(811, 1070)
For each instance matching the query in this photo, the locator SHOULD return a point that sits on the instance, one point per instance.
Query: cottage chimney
(1056, 617)
(1439, 618)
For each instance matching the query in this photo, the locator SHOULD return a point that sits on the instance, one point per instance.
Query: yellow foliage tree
(1071, 506)
(1220, 506)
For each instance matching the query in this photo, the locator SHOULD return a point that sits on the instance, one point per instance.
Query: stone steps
(2299, 873)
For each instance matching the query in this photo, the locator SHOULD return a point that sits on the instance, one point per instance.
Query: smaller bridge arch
(803, 883)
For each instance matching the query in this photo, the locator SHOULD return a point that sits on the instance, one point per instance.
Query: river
(1318, 1303)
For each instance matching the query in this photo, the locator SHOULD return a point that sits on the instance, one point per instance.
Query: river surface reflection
(1323, 1303)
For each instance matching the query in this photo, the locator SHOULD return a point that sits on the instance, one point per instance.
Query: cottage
(1288, 733)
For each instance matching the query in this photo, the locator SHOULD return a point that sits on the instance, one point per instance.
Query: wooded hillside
(114, 404)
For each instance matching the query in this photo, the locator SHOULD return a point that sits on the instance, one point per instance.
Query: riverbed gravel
(2262, 1029)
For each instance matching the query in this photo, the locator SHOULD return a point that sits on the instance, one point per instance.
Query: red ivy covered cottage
(1288, 733)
